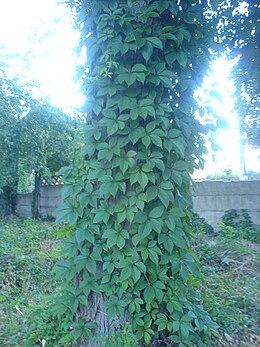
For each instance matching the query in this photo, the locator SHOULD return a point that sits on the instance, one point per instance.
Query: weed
(238, 224)
(230, 263)
(28, 250)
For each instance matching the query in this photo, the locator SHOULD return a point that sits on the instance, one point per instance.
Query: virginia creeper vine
(128, 197)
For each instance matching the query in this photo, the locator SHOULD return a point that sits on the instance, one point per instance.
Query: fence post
(36, 195)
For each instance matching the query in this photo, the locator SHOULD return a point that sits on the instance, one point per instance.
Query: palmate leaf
(69, 212)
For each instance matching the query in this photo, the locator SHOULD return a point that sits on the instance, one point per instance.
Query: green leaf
(156, 212)
(147, 51)
(91, 266)
(157, 43)
(126, 273)
(140, 217)
(177, 178)
(175, 338)
(166, 185)
(164, 197)
(139, 68)
(136, 274)
(192, 268)
(142, 179)
(145, 230)
(166, 82)
(137, 134)
(146, 141)
(147, 338)
(83, 300)
(156, 140)
(174, 8)
(149, 294)
(179, 241)
(140, 77)
(170, 58)
(182, 58)
(156, 225)
(161, 321)
(179, 147)
(178, 212)
(153, 255)
(151, 193)
(175, 326)
(184, 330)
(184, 273)
(82, 235)
(120, 242)
(112, 128)
(170, 222)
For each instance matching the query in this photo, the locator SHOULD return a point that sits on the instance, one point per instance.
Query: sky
(40, 33)
(44, 38)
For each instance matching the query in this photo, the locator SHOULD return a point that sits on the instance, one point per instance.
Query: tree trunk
(95, 312)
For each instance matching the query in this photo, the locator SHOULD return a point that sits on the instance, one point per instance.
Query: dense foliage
(128, 198)
(35, 136)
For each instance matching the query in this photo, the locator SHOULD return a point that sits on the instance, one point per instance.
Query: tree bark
(95, 312)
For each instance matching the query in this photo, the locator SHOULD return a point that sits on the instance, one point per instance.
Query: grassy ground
(229, 287)
(28, 251)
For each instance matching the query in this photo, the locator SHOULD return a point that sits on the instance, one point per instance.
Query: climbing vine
(127, 198)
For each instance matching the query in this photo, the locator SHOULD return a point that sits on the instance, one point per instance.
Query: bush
(238, 224)
(199, 225)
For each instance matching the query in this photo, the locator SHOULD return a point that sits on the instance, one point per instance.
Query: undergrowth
(28, 251)
(229, 287)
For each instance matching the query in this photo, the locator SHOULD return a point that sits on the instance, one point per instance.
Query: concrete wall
(50, 200)
(211, 199)
(24, 205)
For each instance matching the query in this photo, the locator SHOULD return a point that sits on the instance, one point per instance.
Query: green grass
(229, 287)
(28, 251)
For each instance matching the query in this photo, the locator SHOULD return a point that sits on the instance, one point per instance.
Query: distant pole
(36, 192)
(242, 143)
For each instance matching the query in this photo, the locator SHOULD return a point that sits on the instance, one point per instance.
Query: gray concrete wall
(211, 199)
(50, 200)
(24, 205)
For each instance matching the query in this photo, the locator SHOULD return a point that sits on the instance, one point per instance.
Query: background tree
(128, 197)
(247, 71)
(34, 136)
(51, 138)
(14, 101)
(239, 34)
